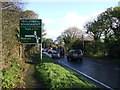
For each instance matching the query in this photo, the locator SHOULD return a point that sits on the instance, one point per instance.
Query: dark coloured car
(61, 51)
(75, 55)
(55, 55)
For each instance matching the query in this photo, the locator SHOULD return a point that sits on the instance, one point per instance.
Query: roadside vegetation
(52, 75)
(106, 31)
(13, 64)
(14, 74)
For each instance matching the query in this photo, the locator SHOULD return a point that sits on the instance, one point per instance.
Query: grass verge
(52, 75)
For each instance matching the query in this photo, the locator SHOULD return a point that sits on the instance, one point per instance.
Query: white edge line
(88, 77)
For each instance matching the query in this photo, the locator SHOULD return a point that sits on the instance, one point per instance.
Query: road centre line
(88, 76)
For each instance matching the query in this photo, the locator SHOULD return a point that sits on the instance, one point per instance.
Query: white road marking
(88, 76)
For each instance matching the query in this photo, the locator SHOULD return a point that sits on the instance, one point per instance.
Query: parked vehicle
(61, 51)
(75, 55)
(55, 55)
(51, 51)
(48, 49)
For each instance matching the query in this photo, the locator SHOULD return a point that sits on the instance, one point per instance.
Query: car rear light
(74, 54)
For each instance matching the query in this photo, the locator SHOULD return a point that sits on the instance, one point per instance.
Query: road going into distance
(105, 74)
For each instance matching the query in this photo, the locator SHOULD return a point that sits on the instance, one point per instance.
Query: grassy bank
(53, 75)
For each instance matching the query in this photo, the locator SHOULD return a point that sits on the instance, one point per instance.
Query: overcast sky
(59, 16)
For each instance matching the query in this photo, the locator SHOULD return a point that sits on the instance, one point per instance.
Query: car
(48, 49)
(61, 51)
(55, 55)
(75, 55)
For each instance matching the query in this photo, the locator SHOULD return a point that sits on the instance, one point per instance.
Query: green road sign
(30, 31)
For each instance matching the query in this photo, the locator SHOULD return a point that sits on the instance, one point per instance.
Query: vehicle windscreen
(55, 52)
(78, 51)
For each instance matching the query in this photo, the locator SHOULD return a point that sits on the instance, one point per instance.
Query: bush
(95, 48)
(12, 76)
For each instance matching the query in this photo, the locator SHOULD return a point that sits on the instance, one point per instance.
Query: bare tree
(70, 35)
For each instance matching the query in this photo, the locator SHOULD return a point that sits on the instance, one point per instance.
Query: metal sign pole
(41, 52)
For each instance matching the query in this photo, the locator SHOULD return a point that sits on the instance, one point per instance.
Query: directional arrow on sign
(29, 35)
(35, 36)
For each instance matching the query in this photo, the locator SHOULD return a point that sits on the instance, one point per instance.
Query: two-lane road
(104, 73)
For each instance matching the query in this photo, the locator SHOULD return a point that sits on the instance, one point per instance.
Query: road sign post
(31, 32)
(41, 52)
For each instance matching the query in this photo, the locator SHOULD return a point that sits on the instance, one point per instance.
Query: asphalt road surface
(105, 73)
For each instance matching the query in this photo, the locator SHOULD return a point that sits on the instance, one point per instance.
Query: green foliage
(59, 40)
(55, 76)
(12, 76)
(106, 25)
(95, 48)
(10, 20)
(78, 44)
(47, 42)
(13, 67)
(29, 14)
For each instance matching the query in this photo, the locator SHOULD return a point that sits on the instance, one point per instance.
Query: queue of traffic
(55, 53)
(59, 52)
